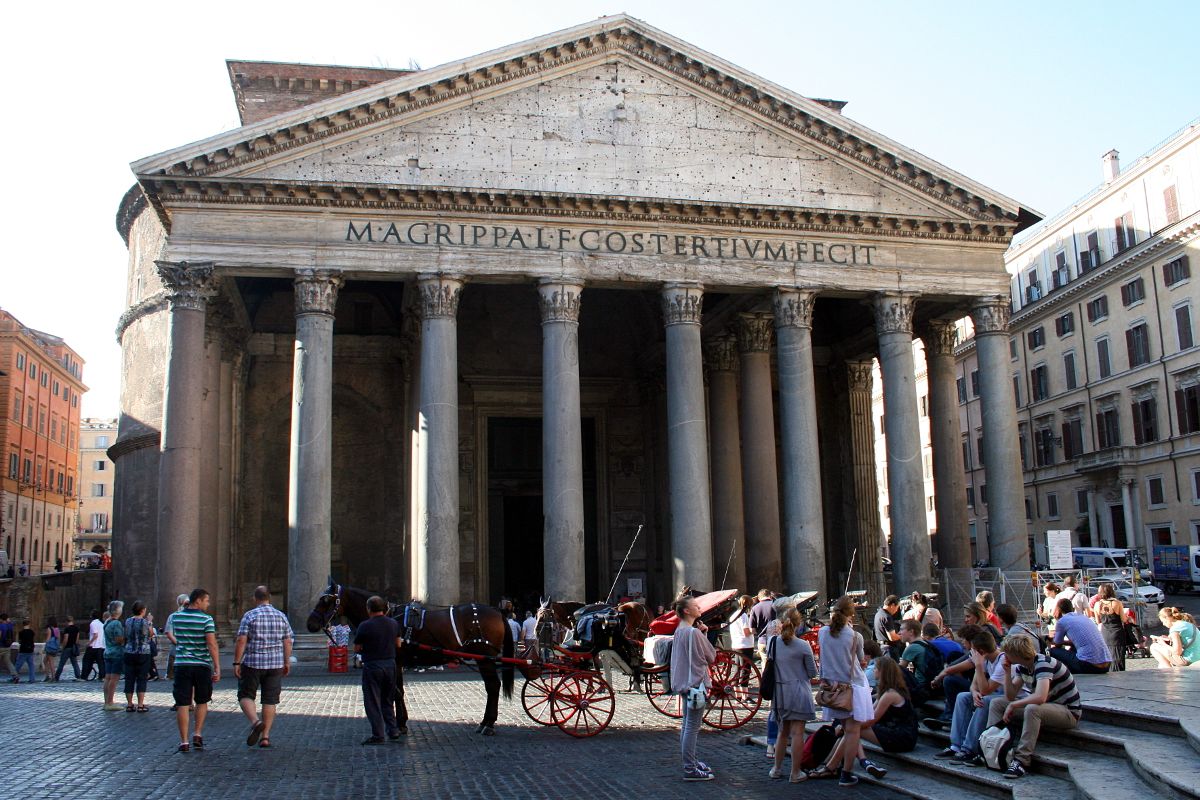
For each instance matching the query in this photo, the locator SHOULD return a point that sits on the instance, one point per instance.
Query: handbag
(696, 697)
(835, 695)
(766, 683)
(52, 647)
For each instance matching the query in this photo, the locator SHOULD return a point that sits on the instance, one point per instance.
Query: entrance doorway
(515, 528)
(1117, 516)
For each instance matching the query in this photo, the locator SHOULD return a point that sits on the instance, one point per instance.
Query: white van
(1106, 558)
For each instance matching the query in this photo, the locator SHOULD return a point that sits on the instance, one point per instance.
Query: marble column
(760, 472)
(223, 591)
(803, 520)
(562, 441)
(729, 529)
(906, 481)
(436, 556)
(949, 473)
(1127, 508)
(210, 465)
(1008, 537)
(687, 439)
(188, 288)
(869, 560)
(310, 474)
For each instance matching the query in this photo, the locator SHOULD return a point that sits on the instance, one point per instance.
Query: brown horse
(428, 632)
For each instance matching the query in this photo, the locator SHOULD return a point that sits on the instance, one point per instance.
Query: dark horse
(468, 628)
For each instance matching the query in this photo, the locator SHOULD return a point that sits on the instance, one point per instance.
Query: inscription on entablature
(423, 234)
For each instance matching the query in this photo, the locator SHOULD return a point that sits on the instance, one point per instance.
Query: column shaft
(687, 439)
(760, 471)
(210, 416)
(803, 520)
(310, 484)
(562, 442)
(906, 483)
(869, 560)
(949, 476)
(729, 529)
(188, 289)
(1127, 509)
(1008, 538)
(437, 547)
(223, 591)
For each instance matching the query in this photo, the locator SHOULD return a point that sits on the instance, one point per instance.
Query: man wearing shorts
(262, 658)
(197, 665)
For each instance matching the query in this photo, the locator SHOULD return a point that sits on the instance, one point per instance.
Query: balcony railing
(1105, 459)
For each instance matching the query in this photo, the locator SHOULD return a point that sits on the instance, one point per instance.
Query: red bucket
(339, 659)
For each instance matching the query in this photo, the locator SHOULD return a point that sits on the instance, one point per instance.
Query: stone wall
(59, 595)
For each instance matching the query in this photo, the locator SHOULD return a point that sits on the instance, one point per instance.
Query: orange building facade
(41, 391)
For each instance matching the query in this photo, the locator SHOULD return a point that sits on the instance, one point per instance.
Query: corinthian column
(760, 475)
(310, 484)
(188, 287)
(562, 440)
(729, 529)
(906, 484)
(210, 465)
(437, 560)
(803, 524)
(1008, 538)
(869, 561)
(687, 438)
(949, 477)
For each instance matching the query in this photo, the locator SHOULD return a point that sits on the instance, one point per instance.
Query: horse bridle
(337, 606)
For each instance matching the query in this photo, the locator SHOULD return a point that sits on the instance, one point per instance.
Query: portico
(691, 361)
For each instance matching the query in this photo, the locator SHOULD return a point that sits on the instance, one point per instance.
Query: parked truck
(1177, 567)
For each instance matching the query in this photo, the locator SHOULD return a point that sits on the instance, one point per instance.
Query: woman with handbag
(691, 656)
(844, 693)
(791, 699)
(51, 649)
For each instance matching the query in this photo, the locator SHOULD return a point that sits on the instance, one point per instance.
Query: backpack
(996, 745)
(662, 656)
(52, 647)
(934, 662)
(6, 635)
(818, 746)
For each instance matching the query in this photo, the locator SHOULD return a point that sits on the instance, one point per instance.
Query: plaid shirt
(265, 627)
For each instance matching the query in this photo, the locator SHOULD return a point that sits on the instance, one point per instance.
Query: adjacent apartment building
(41, 387)
(1105, 363)
(96, 477)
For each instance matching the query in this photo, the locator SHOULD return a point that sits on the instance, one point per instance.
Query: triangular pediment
(612, 108)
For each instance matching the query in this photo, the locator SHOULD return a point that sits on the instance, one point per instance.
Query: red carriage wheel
(666, 704)
(733, 697)
(584, 704)
(539, 695)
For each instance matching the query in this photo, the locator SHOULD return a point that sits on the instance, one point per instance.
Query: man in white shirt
(529, 632)
(94, 655)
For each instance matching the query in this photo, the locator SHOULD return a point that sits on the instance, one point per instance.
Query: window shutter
(1171, 201)
(1100, 430)
(1181, 411)
(1139, 431)
(1119, 227)
(1085, 261)
(1131, 347)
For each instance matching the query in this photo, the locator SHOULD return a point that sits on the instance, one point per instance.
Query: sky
(1023, 97)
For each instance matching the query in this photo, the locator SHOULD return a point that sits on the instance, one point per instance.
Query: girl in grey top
(691, 655)
(793, 701)
(841, 662)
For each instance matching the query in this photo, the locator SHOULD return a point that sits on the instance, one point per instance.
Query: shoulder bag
(836, 695)
(52, 646)
(766, 683)
(696, 697)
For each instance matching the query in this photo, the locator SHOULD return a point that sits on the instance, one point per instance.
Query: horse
(468, 628)
(566, 613)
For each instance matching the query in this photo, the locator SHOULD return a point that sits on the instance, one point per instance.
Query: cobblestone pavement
(57, 741)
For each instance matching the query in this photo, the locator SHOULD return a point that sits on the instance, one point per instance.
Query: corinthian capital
(722, 353)
(188, 285)
(794, 308)
(754, 333)
(940, 336)
(559, 301)
(439, 295)
(858, 375)
(681, 303)
(316, 291)
(894, 313)
(990, 314)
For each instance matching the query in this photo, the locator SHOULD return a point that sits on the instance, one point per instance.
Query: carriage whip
(851, 572)
(622, 569)
(727, 563)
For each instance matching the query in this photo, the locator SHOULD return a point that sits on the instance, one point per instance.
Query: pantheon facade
(500, 326)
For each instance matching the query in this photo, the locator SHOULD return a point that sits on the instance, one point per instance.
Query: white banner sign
(1058, 547)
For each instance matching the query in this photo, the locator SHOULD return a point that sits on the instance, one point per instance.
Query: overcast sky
(1022, 96)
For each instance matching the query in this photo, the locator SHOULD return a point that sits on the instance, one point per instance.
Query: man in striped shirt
(197, 665)
(1053, 699)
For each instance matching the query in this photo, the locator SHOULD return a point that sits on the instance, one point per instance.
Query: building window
(1043, 447)
(1097, 309)
(1036, 338)
(1052, 505)
(1069, 370)
(101, 441)
(1022, 448)
(1090, 259)
(1039, 385)
(1033, 291)
(20, 361)
(974, 383)
(1126, 235)
(1065, 324)
(33, 370)
(1171, 204)
(54, 429)
(961, 383)
(1137, 342)
(45, 378)
(1072, 435)
(1017, 389)
(98, 490)
(1154, 491)
(1081, 501)
(983, 494)
(1133, 292)
(27, 473)
(1103, 358)
(1060, 276)
(56, 388)
(966, 444)
(971, 495)
(1161, 534)
(1145, 421)
(924, 405)
(1108, 428)
(1012, 349)
(13, 463)
(70, 484)
(100, 466)
(16, 415)
(60, 482)
(979, 449)
(1196, 487)
(1187, 407)
(1028, 510)
(1176, 270)
(1183, 326)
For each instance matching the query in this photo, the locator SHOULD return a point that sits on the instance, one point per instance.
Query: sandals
(823, 771)
(255, 733)
(265, 742)
(143, 709)
(129, 709)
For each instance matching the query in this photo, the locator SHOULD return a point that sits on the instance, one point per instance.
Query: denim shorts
(114, 666)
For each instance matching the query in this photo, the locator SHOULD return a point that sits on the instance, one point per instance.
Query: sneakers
(698, 776)
(873, 769)
(934, 723)
(774, 774)
(1015, 770)
(197, 742)
(949, 752)
(968, 760)
(184, 747)
(847, 779)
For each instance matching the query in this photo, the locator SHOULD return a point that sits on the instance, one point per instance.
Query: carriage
(573, 694)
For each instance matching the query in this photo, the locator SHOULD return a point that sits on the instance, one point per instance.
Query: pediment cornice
(612, 37)
(180, 191)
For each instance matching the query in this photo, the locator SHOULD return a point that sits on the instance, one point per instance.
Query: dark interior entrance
(1117, 515)
(516, 565)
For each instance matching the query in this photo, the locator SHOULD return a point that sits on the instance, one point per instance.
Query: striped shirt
(190, 626)
(265, 628)
(1062, 685)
